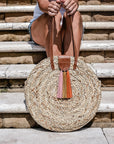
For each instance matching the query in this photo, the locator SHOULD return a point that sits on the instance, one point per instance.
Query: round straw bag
(62, 114)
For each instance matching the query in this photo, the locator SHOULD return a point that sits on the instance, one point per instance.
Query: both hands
(70, 6)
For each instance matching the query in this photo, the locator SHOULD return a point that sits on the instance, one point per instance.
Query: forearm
(43, 4)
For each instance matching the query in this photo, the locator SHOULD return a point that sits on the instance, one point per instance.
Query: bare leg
(41, 35)
(77, 34)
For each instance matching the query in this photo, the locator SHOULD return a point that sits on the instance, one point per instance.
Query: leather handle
(74, 45)
(52, 40)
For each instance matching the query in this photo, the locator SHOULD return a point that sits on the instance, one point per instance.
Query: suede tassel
(69, 89)
(60, 86)
(64, 86)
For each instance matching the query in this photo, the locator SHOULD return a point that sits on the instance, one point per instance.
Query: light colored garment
(38, 12)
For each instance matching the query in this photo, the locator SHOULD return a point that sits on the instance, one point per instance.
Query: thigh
(41, 35)
(39, 29)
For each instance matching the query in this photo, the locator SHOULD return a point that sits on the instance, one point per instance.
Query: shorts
(29, 29)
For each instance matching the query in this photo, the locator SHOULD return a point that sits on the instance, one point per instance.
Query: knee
(77, 18)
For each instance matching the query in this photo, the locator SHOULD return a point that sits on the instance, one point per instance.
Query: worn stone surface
(16, 71)
(18, 17)
(15, 102)
(104, 70)
(109, 60)
(94, 2)
(34, 1)
(103, 125)
(109, 54)
(86, 17)
(19, 2)
(107, 82)
(82, 2)
(89, 53)
(15, 90)
(1, 17)
(3, 83)
(107, 2)
(3, 90)
(111, 36)
(1, 123)
(3, 69)
(94, 59)
(21, 58)
(14, 36)
(87, 47)
(2, 21)
(109, 133)
(113, 117)
(103, 17)
(18, 121)
(96, 34)
(41, 136)
(16, 83)
(91, 36)
(102, 117)
(2, 2)
(12, 103)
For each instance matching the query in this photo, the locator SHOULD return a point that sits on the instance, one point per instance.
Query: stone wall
(34, 58)
(86, 16)
(29, 2)
(88, 35)
(26, 121)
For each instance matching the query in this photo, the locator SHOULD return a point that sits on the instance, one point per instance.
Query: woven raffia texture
(62, 114)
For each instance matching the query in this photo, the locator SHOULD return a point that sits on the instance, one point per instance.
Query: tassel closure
(64, 86)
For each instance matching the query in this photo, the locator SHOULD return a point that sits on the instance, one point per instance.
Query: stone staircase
(18, 56)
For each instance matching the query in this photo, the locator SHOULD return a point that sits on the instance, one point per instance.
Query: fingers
(73, 11)
(71, 6)
(54, 5)
(67, 2)
(53, 8)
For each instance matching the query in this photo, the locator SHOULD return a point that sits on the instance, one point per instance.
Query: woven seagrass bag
(62, 92)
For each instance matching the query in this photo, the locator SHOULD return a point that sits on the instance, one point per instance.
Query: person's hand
(54, 7)
(71, 6)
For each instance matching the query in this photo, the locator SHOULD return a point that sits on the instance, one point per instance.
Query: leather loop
(64, 62)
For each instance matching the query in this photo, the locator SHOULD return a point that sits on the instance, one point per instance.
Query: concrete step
(103, 45)
(87, 25)
(42, 136)
(15, 102)
(21, 71)
(82, 8)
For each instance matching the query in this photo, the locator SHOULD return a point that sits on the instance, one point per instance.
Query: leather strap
(52, 20)
(51, 29)
(74, 46)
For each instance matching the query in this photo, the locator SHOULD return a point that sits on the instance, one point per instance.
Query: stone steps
(42, 136)
(82, 8)
(15, 102)
(87, 25)
(14, 20)
(21, 71)
(104, 45)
